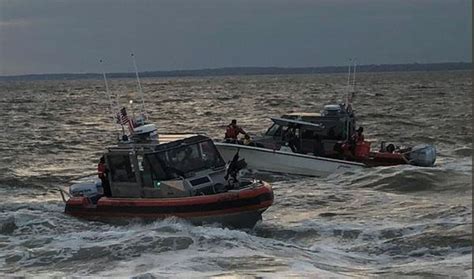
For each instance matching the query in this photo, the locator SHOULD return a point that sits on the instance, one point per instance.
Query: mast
(111, 105)
(354, 79)
(107, 92)
(348, 82)
(350, 92)
(139, 86)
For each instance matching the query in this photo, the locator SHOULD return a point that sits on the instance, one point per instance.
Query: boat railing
(63, 193)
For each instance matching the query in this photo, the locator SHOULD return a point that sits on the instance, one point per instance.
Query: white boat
(315, 147)
(320, 144)
(285, 161)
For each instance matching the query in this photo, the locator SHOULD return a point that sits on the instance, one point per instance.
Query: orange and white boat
(186, 179)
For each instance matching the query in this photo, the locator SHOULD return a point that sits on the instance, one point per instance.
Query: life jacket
(357, 138)
(232, 132)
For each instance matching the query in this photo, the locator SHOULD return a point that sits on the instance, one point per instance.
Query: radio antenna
(354, 76)
(107, 91)
(348, 83)
(139, 85)
(111, 108)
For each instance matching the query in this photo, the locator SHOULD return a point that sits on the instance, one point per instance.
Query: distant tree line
(253, 71)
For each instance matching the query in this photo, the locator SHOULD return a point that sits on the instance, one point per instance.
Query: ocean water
(389, 222)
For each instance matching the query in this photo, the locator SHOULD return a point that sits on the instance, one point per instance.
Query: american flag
(123, 119)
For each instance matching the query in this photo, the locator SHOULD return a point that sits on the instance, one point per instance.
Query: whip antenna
(348, 82)
(354, 76)
(140, 90)
(107, 92)
(114, 121)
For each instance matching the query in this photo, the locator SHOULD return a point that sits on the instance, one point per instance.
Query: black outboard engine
(233, 169)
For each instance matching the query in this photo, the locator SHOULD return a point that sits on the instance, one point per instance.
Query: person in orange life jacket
(233, 131)
(356, 138)
(102, 173)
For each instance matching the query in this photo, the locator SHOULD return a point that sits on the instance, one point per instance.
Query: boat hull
(285, 162)
(235, 208)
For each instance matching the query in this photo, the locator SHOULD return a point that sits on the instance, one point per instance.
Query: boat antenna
(354, 77)
(348, 82)
(350, 92)
(107, 90)
(140, 90)
(349, 72)
(111, 105)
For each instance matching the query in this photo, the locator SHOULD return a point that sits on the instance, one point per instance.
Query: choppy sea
(388, 222)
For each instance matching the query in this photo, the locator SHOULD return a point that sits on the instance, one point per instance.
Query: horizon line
(196, 70)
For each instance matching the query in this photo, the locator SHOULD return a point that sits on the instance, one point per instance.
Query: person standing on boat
(318, 147)
(102, 173)
(291, 139)
(232, 131)
(355, 139)
(358, 136)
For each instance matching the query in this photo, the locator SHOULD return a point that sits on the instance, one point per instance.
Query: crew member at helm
(102, 173)
(358, 136)
(233, 131)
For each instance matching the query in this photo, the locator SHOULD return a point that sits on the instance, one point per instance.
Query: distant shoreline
(233, 71)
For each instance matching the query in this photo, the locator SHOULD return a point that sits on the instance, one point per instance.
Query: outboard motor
(92, 189)
(423, 155)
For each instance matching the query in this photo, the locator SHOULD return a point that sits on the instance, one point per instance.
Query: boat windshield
(274, 130)
(183, 160)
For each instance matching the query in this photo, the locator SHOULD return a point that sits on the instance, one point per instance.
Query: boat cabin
(315, 133)
(187, 167)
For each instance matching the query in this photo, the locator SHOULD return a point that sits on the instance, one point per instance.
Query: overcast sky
(57, 36)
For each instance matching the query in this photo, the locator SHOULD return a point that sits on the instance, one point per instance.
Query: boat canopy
(177, 159)
(301, 124)
(176, 169)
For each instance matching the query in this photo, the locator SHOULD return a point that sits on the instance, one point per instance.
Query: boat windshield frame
(274, 131)
(183, 160)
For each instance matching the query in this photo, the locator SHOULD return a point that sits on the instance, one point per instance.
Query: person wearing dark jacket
(291, 139)
(318, 147)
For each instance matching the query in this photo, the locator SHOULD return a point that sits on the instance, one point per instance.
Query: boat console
(334, 124)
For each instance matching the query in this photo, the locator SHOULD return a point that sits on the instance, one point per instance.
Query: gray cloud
(71, 36)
